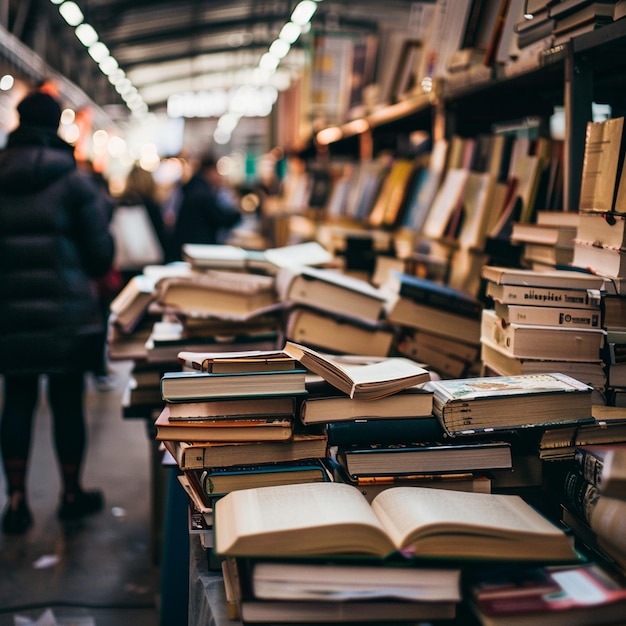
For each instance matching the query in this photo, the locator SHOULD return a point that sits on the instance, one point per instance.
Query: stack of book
(600, 244)
(333, 311)
(289, 551)
(544, 321)
(229, 421)
(439, 324)
(548, 242)
(584, 594)
(594, 504)
(614, 323)
(396, 440)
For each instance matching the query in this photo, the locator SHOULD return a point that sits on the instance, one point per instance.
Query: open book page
(298, 520)
(335, 518)
(374, 380)
(415, 514)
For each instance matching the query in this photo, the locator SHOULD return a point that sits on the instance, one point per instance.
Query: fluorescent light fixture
(71, 13)
(290, 32)
(108, 66)
(279, 48)
(116, 76)
(56, 1)
(303, 12)
(98, 52)
(268, 62)
(86, 34)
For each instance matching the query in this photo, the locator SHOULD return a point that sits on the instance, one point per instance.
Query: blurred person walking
(204, 210)
(54, 244)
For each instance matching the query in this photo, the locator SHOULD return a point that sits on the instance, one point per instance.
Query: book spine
(589, 465)
(384, 431)
(545, 296)
(440, 300)
(581, 495)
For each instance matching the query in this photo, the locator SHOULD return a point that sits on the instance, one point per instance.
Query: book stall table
(207, 598)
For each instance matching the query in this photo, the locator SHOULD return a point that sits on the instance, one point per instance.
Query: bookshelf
(584, 70)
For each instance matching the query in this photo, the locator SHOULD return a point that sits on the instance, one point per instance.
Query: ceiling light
(290, 32)
(303, 12)
(86, 34)
(71, 13)
(279, 48)
(6, 82)
(98, 52)
(268, 62)
(108, 66)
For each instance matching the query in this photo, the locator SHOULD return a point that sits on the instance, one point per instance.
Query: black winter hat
(40, 109)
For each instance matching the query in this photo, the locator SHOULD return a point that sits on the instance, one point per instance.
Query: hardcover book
(544, 296)
(581, 594)
(231, 408)
(605, 467)
(217, 292)
(241, 429)
(214, 482)
(498, 402)
(330, 290)
(233, 361)
(411, 314)
(533, 341)
(556, 279)
(339, 333)
(442, 297)
(191, 386)
(328, 405)
(336, 519)
(548, 316)
(424, 458)
(197, 454)
(132, 302)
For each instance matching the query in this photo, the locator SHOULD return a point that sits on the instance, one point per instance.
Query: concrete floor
(104, 569)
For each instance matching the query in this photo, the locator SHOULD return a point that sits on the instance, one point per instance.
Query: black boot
(17, 517)
(74, 506)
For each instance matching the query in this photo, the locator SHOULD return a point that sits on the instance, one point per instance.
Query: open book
(336, 519)
(362, 382)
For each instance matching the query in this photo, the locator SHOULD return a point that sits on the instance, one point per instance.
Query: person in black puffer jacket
(54, 244)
